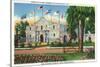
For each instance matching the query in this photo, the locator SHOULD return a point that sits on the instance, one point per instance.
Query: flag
(62, 16)
(24, 16)
(32, 12)
(40, 7)
(56, 13)
(48, 11)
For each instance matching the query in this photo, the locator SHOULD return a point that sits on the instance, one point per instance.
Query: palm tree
(76, 17)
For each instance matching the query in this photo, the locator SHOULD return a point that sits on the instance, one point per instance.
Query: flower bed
(23, 58)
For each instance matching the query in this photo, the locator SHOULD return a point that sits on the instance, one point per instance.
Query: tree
(16, 34)
(20, 31)
(23, 26)
(77, 17)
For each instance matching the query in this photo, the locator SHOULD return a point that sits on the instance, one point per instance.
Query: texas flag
(24, 16)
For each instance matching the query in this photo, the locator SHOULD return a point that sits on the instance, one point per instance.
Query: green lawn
(86, 43)
(56, 44)
(75, 56)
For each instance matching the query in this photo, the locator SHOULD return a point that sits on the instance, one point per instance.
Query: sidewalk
(40, 50)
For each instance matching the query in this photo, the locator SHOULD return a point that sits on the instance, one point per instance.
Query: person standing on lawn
(65, 42)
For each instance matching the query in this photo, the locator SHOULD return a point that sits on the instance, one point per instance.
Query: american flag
(40, 7)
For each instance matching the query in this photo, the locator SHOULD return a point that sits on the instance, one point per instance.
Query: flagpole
(34, 15)
(59, 17)
(41, 8)
(51, 17)
(42, 12)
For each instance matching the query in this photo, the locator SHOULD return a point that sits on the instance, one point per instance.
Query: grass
(87, 43)
(56, 44)
(72, 56)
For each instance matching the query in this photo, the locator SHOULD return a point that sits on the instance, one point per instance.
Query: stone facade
(45, 31)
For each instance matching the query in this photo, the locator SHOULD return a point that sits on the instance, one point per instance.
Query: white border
(70, 3)
(12, 34)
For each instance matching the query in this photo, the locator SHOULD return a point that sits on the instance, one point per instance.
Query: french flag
(48, 11)
(56, 13)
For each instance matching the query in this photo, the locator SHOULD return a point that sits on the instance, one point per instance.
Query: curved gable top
(42, 20)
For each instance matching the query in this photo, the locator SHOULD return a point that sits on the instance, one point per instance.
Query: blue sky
(21, 9)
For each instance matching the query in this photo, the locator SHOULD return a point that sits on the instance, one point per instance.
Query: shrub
(88, 43)
(30, 45)
(30, 58)
(56, 44)
(91, 54)
(72, 44)
(22, 45)
(36, 44)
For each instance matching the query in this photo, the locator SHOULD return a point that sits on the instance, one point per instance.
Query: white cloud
(32, 20)
(55, 19)
(16, 18)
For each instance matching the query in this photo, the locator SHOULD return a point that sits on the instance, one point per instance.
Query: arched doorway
(41, 38)
(65, 39)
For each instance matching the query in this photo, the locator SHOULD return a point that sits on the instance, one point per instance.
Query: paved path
(40, 50)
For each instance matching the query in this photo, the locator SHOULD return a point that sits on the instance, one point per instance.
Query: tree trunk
(16, 40)
(81, 36)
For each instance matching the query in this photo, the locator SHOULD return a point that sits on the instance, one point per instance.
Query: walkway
(40, 50)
